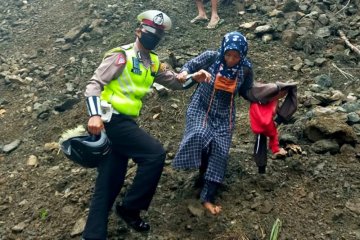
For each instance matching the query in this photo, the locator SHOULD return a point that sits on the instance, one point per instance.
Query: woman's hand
(202, 76)
(181, 77)
(95, 125)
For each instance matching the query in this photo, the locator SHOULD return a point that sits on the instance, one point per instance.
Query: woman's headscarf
(232, 41)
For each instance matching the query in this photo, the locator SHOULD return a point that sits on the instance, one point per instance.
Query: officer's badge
(158, 19)
(136, 66)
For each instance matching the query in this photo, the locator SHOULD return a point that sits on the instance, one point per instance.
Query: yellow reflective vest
(125, 92)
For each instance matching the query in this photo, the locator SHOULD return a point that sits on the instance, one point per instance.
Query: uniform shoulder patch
(121, 59)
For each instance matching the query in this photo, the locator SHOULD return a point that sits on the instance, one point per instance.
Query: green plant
(275, 231)
(44, 213)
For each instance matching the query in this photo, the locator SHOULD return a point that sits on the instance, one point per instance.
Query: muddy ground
(44, 71)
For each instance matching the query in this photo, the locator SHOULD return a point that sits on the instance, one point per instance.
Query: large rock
(330, 127)
(289, 37)
(326, 145)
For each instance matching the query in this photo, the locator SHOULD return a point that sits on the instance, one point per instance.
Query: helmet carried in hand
(87, 151)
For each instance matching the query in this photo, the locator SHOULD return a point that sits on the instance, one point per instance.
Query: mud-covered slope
(49, 49)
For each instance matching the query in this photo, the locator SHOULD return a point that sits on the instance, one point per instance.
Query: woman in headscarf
(211, 113)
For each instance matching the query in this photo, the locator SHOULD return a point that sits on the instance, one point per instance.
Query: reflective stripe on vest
(125, 92)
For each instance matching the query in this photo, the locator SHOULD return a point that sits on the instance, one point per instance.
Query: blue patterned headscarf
(232, 41)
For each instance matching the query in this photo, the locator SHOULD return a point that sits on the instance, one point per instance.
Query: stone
(11, 146)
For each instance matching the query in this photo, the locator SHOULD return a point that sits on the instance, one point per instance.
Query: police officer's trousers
(128, 141)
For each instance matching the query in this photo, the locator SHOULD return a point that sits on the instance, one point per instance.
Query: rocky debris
(19, 227)
(354, 205)
(306, 26)
(11, 146)
(75, 32)
(32, 161)
(33, 82)
(330, 127)
(325, 145)
(78, 227)
(197, 210)
(315, 188)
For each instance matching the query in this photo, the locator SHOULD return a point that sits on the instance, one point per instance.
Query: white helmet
(155, 18)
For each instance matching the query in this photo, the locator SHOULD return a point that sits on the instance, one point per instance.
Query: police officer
(124, 76)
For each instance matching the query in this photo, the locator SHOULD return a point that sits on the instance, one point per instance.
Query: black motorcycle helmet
(87, 151)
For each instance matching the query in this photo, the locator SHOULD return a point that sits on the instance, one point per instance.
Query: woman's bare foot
(212, 208)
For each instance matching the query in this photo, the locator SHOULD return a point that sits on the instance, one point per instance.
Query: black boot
(262, 169)
(132, 218)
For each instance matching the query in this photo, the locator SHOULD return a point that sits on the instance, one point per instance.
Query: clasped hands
(199, 76)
